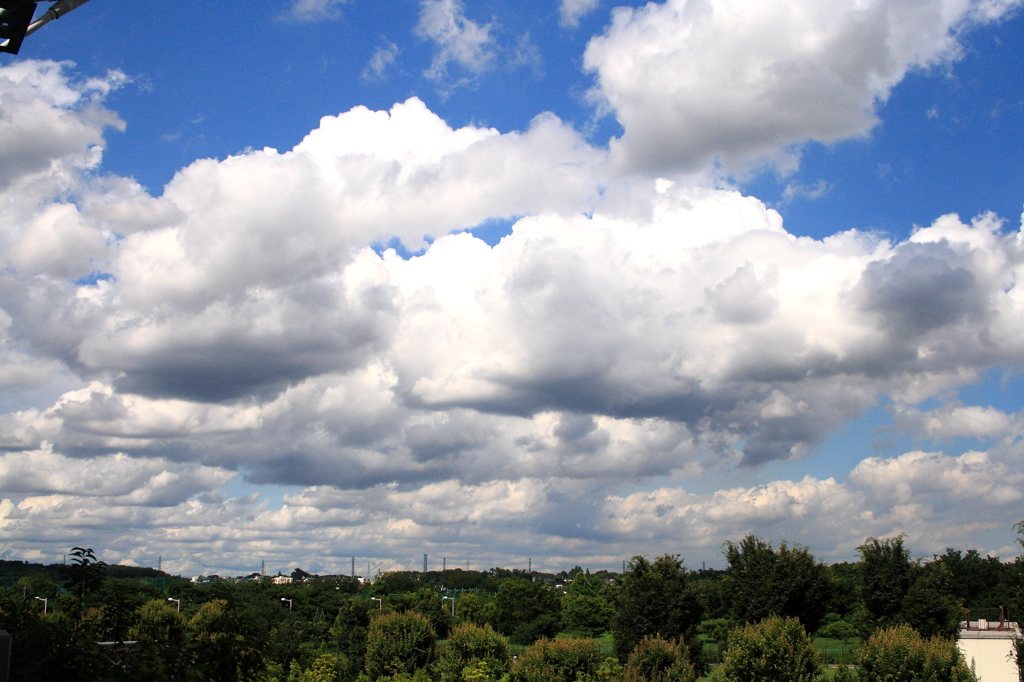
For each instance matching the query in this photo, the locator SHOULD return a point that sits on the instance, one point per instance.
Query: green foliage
(977, 581)
(586, 610)
(526, 610)
(471, 646)
(37, 585)
(715, 630)
(428, 604)
(835, 627)
(398, 643)
(84, 574)
(885, 578)
(557, 660)
(900, 654)
(659, 660)
(929, 607)
(475, 608)
(326, 668)
(395, 582)
(655, 599)
(348, 634)
(762, 582)
(776, 649)
(121, 601)
(224, 643)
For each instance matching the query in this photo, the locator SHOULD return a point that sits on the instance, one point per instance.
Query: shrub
(398, 643)
(776, 649)
(557, 660)
(900, 654)
(469, 645)
(657, 660)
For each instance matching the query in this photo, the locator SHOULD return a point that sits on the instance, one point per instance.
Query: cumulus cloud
(51, 124)
(624, 331)
(692, 82)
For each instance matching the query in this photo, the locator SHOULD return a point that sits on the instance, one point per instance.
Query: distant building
(988, 647)
(282, 580)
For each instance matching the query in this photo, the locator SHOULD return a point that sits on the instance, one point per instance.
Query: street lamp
(177, 603)
(289, 604)
(380, 602)
(453, 604)
(16, 20)
(45, 603)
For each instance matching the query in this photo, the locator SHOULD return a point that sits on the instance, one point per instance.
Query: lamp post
(45, 603)
(453, 604)
(289, 604)
(380, 602)
(177, 602)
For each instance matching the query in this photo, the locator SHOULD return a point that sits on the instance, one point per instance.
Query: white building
(988, 646)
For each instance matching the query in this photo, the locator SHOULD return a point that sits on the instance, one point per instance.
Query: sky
(551, 281)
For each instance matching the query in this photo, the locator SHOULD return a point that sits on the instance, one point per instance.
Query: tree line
(657, 620)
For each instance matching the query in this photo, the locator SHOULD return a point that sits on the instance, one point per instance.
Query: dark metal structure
(16, 20)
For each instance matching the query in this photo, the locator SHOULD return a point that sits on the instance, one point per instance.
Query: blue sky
(736, 270)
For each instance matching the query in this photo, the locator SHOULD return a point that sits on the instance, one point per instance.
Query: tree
(585, 609)
(475, 608)
(655, 599)
(398, 643)
(470, 645)
(885, 578)
(659, 660)
(526, 610)
(350, 628)
(224, 643)
(929, 606)
(762, 582)
(776, 649)
(899, 654)
(428, 604)
(557, 660)
(85, 574)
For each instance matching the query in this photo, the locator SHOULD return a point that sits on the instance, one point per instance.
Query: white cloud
(51, 125)
(694, 81)
(918, 475)
(797, 190)
(383, 57)
(459, 40)
(956, 421)
(571, 11)
(471, 396)
(314, 10)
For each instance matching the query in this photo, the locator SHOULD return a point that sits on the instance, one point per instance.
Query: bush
(776, 649)
(469, 645)
(657, 660)
(398, 643)
(557, 660)
(900, 654)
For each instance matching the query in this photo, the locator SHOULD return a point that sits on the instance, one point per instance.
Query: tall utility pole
(263, 567)
(160, 563)
(424, 563)
(530, 565)
(354, 568)
(444, 563)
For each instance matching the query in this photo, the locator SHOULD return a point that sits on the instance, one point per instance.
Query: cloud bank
(553, 396)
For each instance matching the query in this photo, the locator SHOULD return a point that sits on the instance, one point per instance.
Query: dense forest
(774, 606)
